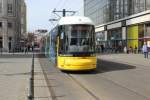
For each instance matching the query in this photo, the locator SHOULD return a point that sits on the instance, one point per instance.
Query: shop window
(0, 24)
(148, 4)
(10, 38)
(148, 29)
(9, 25)
(0, 7)
(10, 8)
(141, 31)
(1, 42)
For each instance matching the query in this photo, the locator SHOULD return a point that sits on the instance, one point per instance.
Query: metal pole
(144, 33)
(64, 12)
(145, 6)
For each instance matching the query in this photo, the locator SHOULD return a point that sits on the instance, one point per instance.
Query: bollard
(30, 95)
(31, 81)
(33, 74)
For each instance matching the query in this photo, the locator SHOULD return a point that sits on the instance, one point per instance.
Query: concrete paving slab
(14, 75)
(40, 86)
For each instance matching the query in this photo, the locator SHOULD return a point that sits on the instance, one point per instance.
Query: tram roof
(75, 20)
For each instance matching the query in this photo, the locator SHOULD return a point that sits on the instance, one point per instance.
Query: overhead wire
(80, 11)
(69, 7)
(67, 4)
(63, 4)
(58, 3)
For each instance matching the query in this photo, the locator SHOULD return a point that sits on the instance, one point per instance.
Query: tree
(30, 37)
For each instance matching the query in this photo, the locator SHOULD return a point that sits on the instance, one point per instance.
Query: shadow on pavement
(21, 55)
(16, 74)
(107, 66)
(102, 67)
(80, 72)
(15, 55)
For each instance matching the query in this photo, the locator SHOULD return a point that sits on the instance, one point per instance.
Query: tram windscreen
(77, 39)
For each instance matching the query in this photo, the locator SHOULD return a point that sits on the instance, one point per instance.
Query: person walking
(145, 50)
(102, 48)
(135, 49)
(125, 49)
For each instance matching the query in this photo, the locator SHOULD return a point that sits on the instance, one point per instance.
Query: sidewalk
(14, 77)
(41, 89)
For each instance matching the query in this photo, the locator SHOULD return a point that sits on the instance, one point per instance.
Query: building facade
(23, 19)
(12, 23)
(120, 23)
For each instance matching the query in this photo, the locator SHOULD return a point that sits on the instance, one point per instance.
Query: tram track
(83, 87)
(51, 90)
(69, 76)
(124, 87)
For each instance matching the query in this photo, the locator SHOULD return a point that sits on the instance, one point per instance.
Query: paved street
(118, 77)
(99, 42)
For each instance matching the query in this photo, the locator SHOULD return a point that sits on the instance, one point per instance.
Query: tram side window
(73, 41)
(84, 41)
(61, 47)
(73, 33)
(61, 39)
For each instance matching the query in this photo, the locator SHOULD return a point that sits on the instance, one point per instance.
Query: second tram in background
(71, 44)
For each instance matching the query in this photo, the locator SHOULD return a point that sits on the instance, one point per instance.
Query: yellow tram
(72, 44)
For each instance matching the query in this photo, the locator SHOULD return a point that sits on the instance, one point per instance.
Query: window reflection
(78, 38)
(103, 11)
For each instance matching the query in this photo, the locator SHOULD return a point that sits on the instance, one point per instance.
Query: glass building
(120, 23)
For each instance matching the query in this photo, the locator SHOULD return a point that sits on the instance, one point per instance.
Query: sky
(40, 11)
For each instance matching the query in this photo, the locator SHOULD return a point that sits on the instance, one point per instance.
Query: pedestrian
(130, 49)
(26, 49)
(135, 49)
(102, 48)
(125, 49)
(145, 50)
